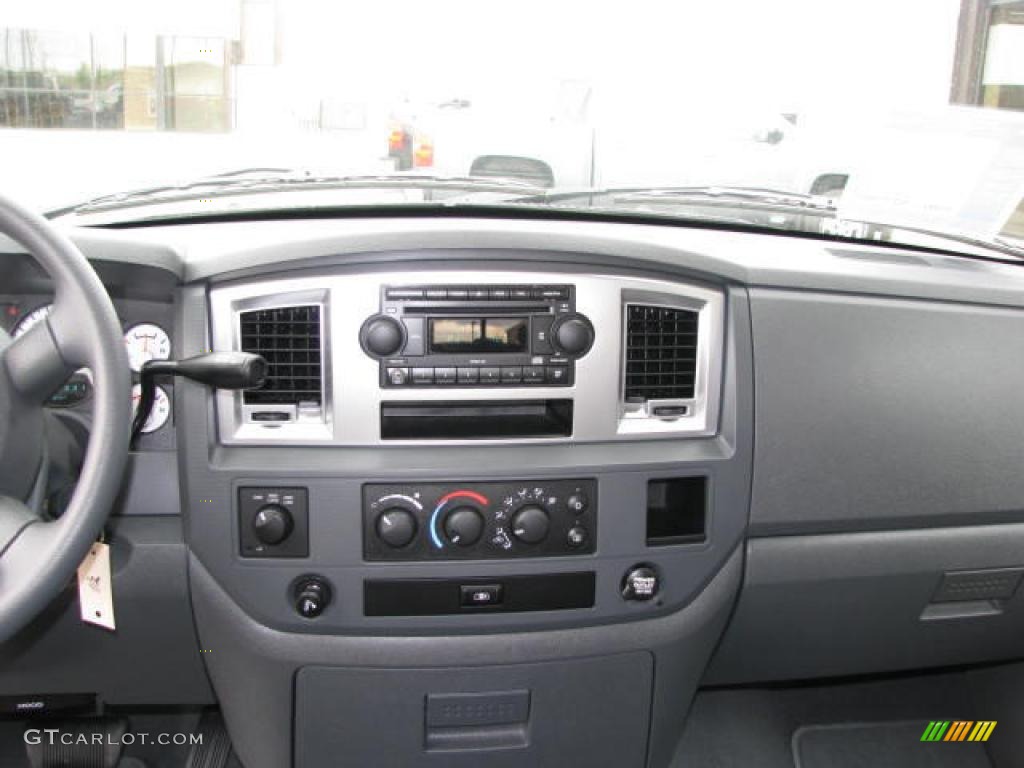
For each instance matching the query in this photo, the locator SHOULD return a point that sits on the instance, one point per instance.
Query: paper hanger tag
(95, 594)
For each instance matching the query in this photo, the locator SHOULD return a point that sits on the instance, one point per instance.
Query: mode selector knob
(572, 335)
(382, 336)
(396, 527)
(464, 526)
(531, 524)
(272, 524)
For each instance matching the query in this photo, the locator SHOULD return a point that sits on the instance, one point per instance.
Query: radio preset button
(551, 292)
(405, 293)
(478, 293)
(444, 375)
(458, 293)
(519, 293)
(511, 374)
(533, 374)
(468, 375)
(499, 294)
(541, 331)
(436, 293)
(556, 374)
(414, 343)
(422, 375)
(490, 375)
(398, 377)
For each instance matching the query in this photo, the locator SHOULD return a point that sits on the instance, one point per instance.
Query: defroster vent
(289, 339)
(661, 353)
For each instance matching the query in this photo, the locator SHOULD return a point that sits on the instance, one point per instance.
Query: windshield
(873, 119)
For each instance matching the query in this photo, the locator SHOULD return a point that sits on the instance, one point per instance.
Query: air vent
(289, 339)
(661, 353)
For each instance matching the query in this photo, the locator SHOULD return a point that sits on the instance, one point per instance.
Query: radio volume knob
(530, 524)
(382, 336)
(572, 335)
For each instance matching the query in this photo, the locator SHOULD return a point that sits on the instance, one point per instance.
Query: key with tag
(95, 591)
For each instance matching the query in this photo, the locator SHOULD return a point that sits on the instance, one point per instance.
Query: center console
(455, 387)
(538, 469)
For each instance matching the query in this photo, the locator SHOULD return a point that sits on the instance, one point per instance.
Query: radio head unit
(477, 335)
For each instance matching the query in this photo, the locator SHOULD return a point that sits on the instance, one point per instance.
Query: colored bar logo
(958, 730)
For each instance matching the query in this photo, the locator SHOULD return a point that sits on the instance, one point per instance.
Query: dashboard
(558, 473)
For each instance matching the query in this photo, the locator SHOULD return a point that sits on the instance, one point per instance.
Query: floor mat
(881, 745)
(754, 727)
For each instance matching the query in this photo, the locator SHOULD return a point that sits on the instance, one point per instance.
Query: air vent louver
(289, 339)
(661, 353)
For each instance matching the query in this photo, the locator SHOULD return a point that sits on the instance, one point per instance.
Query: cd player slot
(490, 309)
(481, 420)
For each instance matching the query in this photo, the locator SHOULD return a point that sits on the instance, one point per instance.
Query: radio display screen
(477, 335)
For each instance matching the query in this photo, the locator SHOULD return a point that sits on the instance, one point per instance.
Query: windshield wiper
(760, 196)
(269, 180)
(757, 200)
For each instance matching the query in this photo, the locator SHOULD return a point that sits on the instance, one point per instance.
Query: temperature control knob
(573, 335)
(530, 524)
(382, 336)
(272, 524)
(463, 526)
(396, 527)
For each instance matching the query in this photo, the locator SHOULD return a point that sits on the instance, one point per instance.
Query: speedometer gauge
(146, 342)
(160, 412)
(34, 317)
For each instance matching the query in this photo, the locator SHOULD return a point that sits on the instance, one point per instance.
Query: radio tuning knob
(382, 336)
(572, 335)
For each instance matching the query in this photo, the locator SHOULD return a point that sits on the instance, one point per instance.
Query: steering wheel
(38, 557)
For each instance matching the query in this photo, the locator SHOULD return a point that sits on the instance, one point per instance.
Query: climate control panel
(480, 521)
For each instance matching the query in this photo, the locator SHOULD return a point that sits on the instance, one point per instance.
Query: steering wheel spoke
(36, 364)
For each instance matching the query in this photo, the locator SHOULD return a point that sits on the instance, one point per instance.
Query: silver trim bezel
(702, 409)
(352, 391)
(305, 425)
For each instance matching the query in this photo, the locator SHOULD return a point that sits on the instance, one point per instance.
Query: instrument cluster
(144, 340)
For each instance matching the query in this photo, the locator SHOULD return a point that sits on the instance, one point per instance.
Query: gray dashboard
(863, 449)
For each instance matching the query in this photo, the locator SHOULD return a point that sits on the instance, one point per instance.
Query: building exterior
(989, 69)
